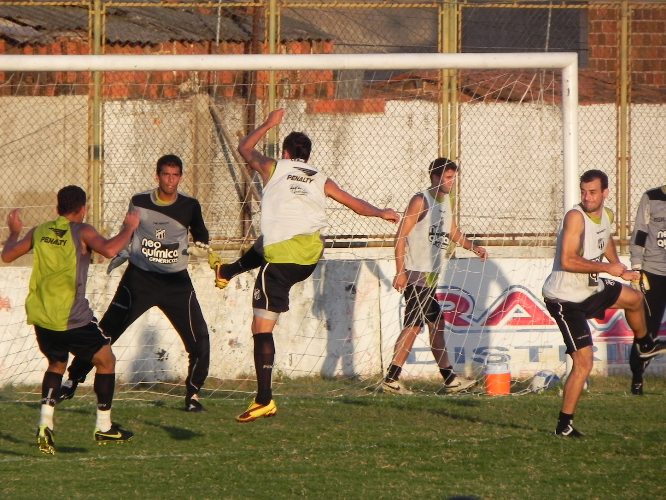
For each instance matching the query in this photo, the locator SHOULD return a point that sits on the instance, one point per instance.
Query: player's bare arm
(416, 208)
(13, 247)
(358, 205)
(246, 147)
(459, 237)
(109, 247)
(572, 240)
(612, 257)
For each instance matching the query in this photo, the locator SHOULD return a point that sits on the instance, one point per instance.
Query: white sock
(46, 416)
(103, 420)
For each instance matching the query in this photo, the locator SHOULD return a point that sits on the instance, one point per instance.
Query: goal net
(509, 120)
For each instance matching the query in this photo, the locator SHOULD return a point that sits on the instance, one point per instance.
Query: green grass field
(347, 445)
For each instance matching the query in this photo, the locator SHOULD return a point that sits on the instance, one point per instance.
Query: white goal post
(566, 62)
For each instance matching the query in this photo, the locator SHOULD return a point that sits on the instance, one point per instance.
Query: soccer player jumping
(292, 216)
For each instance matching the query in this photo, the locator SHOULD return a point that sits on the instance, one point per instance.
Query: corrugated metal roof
(40, 25)
(374, 29)
(142, 25)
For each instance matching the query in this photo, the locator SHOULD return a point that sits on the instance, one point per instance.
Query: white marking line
(61, 457)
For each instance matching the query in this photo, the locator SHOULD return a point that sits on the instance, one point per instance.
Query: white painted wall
(343, 321)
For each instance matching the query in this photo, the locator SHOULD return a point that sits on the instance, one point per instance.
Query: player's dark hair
(298, 145)
(70, 200)
(590, 175)
(169, 161)
(441, 165)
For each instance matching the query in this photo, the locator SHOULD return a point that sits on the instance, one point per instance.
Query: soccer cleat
(67, 390)
(647, 352)
(637, 388)
(193, 406)
(45, 440)
(393, 387)
(256, 410)
(569, 432)
(114, 435)
(458, 384)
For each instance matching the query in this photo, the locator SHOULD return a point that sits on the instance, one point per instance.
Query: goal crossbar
(566, 62)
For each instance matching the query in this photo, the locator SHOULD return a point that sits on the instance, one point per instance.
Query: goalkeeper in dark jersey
(648, 256)
(157, 276)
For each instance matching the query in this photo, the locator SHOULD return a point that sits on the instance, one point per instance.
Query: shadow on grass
(176, 433)
(4, 436)
(408, 403)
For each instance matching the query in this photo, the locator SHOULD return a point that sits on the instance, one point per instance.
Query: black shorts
(421, 306)
(83, 342)
(571, 317)
(271, 290)
(172, 293)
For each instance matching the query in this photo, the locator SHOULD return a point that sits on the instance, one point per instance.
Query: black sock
(249, 260)
(78, 370)
(635, 362)
(645, 343)
(51, 388)
(448, 374)
(563, 421)
(393, 373)
(104, 385)
(264, 357)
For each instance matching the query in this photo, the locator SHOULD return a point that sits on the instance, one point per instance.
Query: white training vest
(576, 287)
(430, 236)
(293, 202)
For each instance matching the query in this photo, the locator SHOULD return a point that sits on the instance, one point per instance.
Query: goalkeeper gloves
(205, 251)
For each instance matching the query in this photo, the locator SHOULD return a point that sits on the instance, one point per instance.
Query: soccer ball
(544, 380)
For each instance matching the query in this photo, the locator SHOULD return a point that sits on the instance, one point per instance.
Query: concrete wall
(343, 321)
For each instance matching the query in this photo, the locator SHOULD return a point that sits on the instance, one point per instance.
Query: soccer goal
(376, 122)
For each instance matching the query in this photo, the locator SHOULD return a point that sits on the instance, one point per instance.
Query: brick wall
(603, 42)
(647, 46)
(169, 84)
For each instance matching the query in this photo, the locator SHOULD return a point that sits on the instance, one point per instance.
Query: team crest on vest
(601, 243)
(438, 237)
(160, 234)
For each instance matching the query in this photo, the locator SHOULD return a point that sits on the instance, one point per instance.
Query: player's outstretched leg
(251, 259)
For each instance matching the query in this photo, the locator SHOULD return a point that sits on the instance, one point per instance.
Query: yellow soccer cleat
(45, 440)
(256, 410)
